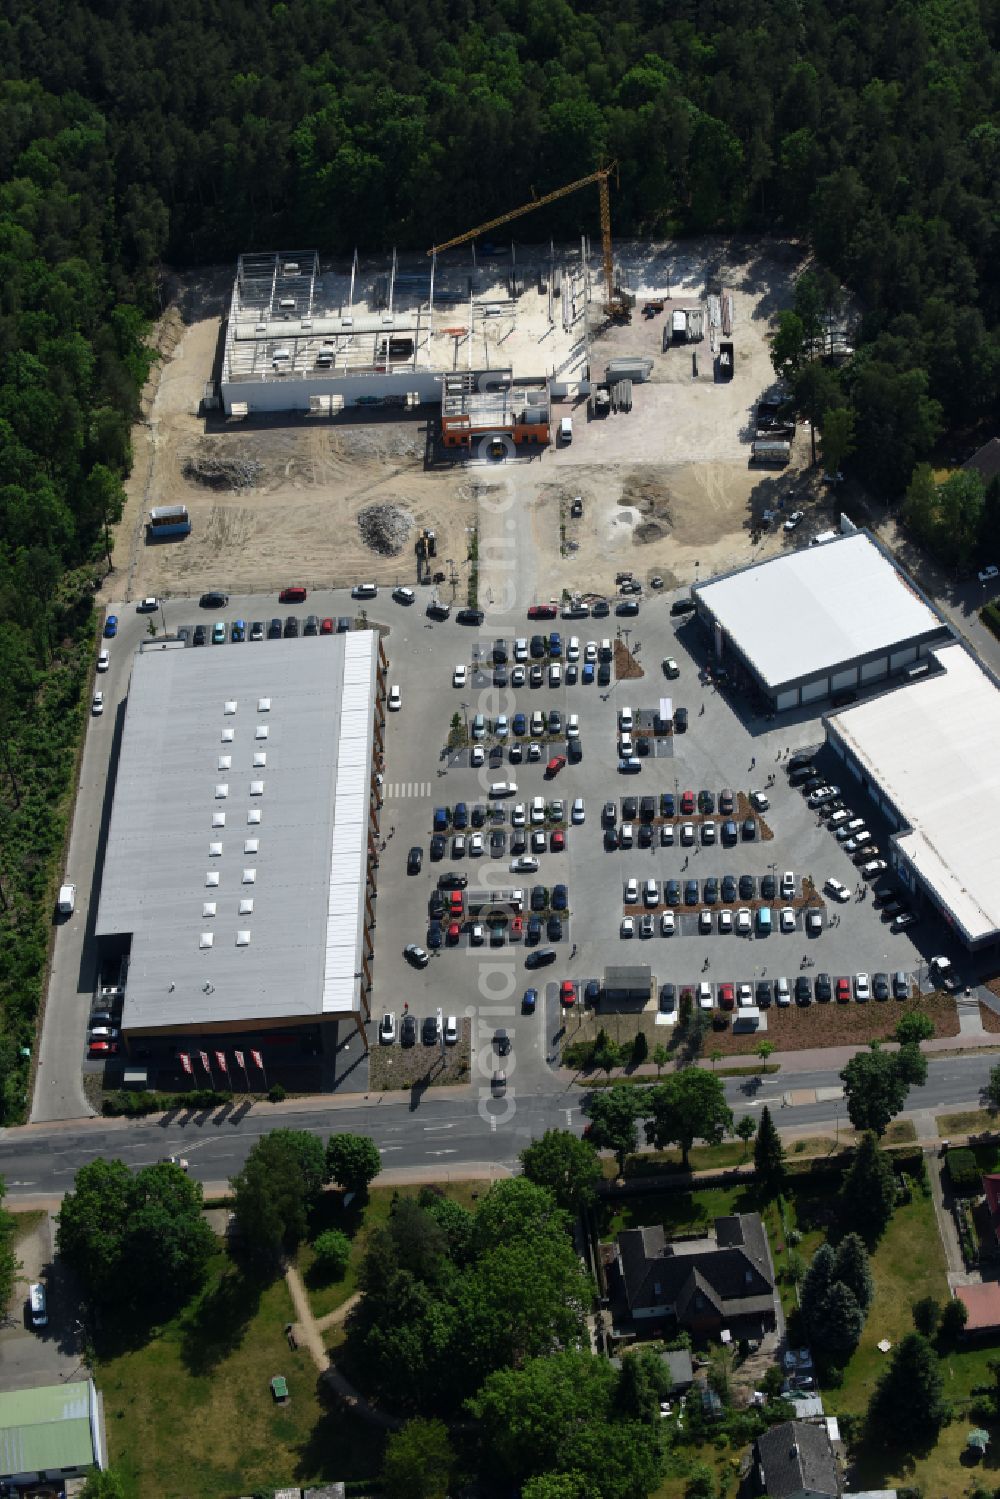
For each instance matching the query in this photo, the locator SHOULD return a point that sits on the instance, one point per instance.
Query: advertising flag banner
(186, 1062)
(239, 1060)
(204, 1061)
(220, 1061)
(258, 1060)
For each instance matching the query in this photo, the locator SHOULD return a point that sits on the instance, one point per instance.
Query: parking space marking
(399, 790)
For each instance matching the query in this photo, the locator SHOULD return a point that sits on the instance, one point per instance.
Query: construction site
(624, 376)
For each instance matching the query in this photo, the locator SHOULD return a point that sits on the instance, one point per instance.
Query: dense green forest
(175, 132)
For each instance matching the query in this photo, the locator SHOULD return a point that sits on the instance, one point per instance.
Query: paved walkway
(957, 1273)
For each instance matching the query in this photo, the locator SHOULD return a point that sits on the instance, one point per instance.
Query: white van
(555, 674)
(573, 726)
(37, 1305)
(479, 726)
(537, 809)
(605, 652)
(573, 648)
(625, 720)
(566, 430)
(503, 788)
(66, 904)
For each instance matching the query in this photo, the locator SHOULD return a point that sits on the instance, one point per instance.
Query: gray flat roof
(812, 610)
(237, 845)
(932, 747)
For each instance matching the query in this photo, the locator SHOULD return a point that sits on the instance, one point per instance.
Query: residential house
(704, 1285)
(796, 1460)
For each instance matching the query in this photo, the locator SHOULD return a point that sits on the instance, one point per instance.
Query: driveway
(29, 1356)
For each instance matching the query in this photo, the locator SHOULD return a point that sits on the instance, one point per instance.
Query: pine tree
(769, 1155)
(851, 1266)
(816, 1285)
(868, 1195)
(908, 1407)
(835, 1325)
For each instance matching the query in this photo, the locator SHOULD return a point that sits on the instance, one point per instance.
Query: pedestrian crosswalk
(398, 790)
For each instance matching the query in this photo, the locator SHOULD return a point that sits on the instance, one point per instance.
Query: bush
(963, 1171)
(333, 1251)
(276, 1093)
(129, 1105)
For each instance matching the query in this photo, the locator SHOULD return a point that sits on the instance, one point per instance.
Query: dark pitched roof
(728, 1276)
(986, 461)
(797, 1456)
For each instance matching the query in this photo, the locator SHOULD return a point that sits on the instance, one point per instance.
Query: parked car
(387, 1029)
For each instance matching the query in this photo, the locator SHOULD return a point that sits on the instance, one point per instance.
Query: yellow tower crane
(615, 305)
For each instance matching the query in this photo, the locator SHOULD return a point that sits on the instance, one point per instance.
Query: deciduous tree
(875, 1085)
(352, 1161)
(689, 1106)
(419, 1461)
(612, 1113)
(564, 1164)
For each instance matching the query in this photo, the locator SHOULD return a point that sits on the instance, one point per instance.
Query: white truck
(66, 902)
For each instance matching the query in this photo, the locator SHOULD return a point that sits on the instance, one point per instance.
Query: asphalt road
(443, 1134)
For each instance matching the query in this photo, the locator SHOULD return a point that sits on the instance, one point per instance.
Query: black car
(343, 624)
(560, 897)
(600, 609)
(711, 891)
(706, 802)
(682, 606)
(291, 629)
(199, 635)
(553, 929)
(499, 676)
(749, 830)
(257, 630)
(880, 986)
(540, 958)
(603, 673)
(460, 817)
(627, 606)
(672, 892)
(666, 804)
(438, 609)
(768, 887)
(435, 934)
(680, 720)
(311, 626)
(438, 845)
(478, 815)
(500, 650)
(814, 783)
(571, 674)
(802, 773)
(214, 599)
(501, 1042)
(555, 721)
(533, 931)
(539, 897)
(803, 990)
(645, 835)
(408, 1031)
(470, 617)
(274, 630)
(691, 892)
(730, 832)
(798, 760)
(728, 888)
(498, 842)
(539, 646)
(414, 859)
(630, 808)
(763, 993)
(642, 745)
(609, 814)
(747, 886)
(900, 986)
(726, 803)
(668, 995)
(574, 751)
(436, 905)
(824, 988)
(429, 1030)
(452, 881)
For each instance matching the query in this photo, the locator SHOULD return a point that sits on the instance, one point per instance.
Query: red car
(517, 928)
(543, 611)
(296, 594)
(102, 1048)
(687, 802)
(555, 765)
(843, 991)
(455, 902)
(453, 933)
(567, 993)
(558, 841)
(727, 997)
(326, 628)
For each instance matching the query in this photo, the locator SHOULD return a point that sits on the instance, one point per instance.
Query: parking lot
(566, 753)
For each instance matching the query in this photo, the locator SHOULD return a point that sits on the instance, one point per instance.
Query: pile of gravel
(385, 528)
(222, 473)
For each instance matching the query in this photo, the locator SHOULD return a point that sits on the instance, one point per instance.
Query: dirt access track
(666, 488)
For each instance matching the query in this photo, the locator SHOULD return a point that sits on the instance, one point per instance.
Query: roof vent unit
(251, 845)
(211, 878)
(263, 705)
(243, 939)
(207, 938)
(215, 850)
(249, 876)
(261, 731)
(225, 762)
(228, 735)
(256, 788)
(218, 819)
(230, 705)
(246, 907)
(208, 908)
(221, 790)
(253, 818)
(259, 760)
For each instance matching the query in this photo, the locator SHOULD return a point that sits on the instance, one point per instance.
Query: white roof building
(928, 753)
(819, 621)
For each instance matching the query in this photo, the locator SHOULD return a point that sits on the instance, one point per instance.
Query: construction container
(771, 454)
(726, 360)
(637, 369)
(679, 326)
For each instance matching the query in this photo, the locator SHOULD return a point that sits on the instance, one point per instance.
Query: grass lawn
(26, 1223)
(190, 1413)
(971, 1122)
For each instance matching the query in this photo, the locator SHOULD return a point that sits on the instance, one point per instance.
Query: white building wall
(294, 393)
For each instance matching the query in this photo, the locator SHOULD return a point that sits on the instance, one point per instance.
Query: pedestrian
(701, 710)
(685, 865)
(753, 761)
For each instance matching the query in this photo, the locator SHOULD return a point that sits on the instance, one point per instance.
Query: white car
(836, 889)
(626, 835)
(782, 993)
(725, 921)
(744, 922)
(387, 1029)
(787, 919)
(503, 788)
(852, 826)
(537, 809)
(579, 813)
(147, 606)
(759, 801)
(666, 834)
(744, 996)
(395, 699)
(501, 728)
(651, 893)
(670, 668)
(795, 519)
(460, 675)
(858, 841)
(477, 756)
(103, 660)
(989, 574)
(534, 751)
(518, 815)
(687, 832)
(873, 868)
(788, 884)
(824, 794)
(590, 651)
(555, 674)
(667, 924)
(862, 987)
(704, 995)
(646, 926)
(573, 726)
(475, 845)
(631, 892)
(520, 649)
(627, 928)
(451, 1030)
(477, 934)
(403, 595)
(517, 676)
(97, 705)
(526, 864)
(573, 648)
(626, 747)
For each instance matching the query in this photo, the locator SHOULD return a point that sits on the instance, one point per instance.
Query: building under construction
(302, 337)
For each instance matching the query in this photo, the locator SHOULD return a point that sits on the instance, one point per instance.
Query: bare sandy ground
(666, 488)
